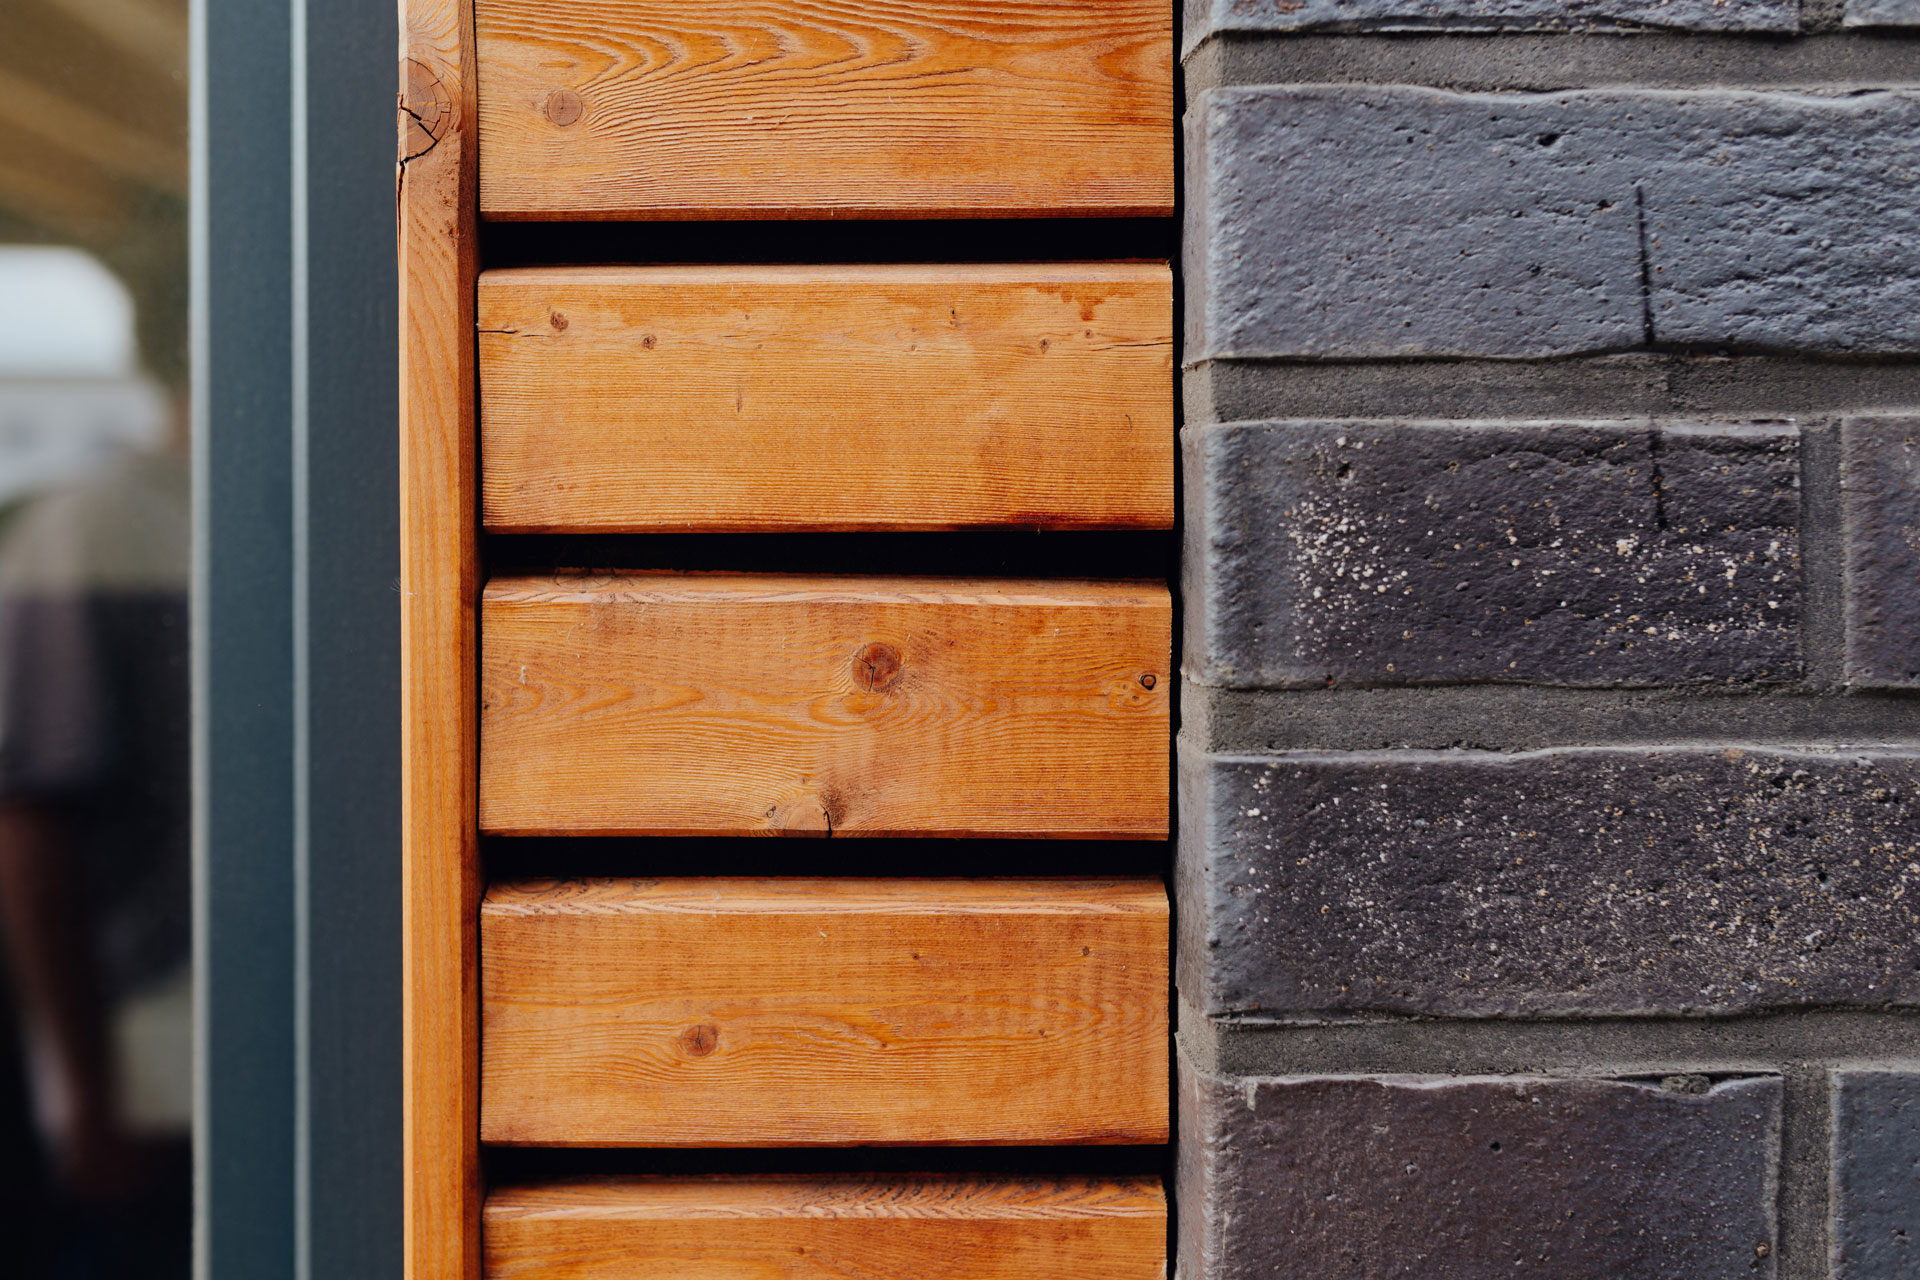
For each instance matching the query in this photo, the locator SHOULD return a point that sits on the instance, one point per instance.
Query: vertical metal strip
(242, 654)
(347, 645)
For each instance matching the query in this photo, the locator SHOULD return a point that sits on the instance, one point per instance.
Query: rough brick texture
(1383, 1178)
(1597, 881)
(1876, 1175)
(1207, 17)
(1880, 484)
(1883, 13)
(1359, 221)
(1562, 553)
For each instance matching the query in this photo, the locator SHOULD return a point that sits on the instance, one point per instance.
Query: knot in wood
(564, 107)
(814, 816)
(698, 1042)
(876, 668)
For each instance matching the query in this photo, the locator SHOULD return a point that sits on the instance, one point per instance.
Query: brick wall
(1549, 864)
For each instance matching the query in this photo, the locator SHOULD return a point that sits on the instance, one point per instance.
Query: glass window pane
(95, 1009)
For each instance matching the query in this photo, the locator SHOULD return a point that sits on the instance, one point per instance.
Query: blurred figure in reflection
(94, 799)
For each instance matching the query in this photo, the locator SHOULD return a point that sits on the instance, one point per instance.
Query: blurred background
(95, 1010)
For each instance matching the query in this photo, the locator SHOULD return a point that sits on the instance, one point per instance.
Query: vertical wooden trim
(439, 587)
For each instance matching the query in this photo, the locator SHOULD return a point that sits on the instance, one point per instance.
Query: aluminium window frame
(295, 641)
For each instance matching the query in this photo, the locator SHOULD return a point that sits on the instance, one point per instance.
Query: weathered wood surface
(903, 1227)
(804, 108)
(752, 704)
(635, 399)
(439, 581)
(721, 1012)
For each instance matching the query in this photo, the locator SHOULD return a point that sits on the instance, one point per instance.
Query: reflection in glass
(95, 1013)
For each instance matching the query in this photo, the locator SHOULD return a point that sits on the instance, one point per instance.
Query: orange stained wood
(752, 704)
(721, 1012)
(841, 397)
(903, 1227)
(806, 108)
(439, 582)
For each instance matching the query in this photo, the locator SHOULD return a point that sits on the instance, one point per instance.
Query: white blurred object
(71, 393)
(153, 1043)
(62, 315)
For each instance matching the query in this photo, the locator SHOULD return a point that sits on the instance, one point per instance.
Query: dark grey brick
(1574, 553)
(1207, 17)
(1465, 1178)
(1590, 881)
(1353, 221)
(1883, 13)
(1876, 1175)
(1880, 488)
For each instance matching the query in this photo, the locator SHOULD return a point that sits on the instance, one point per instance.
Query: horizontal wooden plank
(721, 1012)
(636, 399)
(756, 704)
(799, 108)
(902, 1227)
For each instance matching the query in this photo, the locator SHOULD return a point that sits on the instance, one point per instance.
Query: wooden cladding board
(439, 586)
(742, 704)
(805, 108)
(637, 399)
(810, 1228)
(823, 1012)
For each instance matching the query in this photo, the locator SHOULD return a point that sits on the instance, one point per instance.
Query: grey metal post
(296, 641)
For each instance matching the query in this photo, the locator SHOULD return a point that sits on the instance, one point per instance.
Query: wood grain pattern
(756, 704)
(439, 582)
(904, 1227)
(719, 1012)
(810, 108)
(635, 399)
